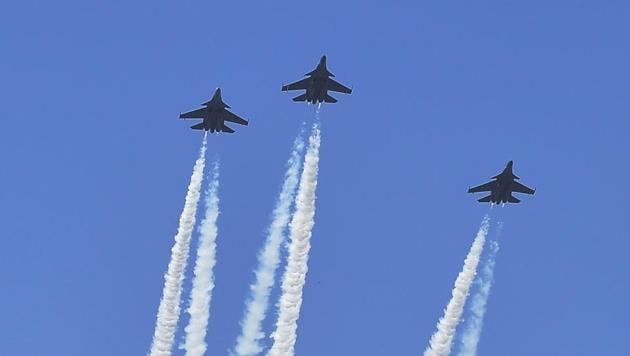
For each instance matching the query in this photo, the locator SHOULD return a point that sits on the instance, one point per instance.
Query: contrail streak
(297, 261)
(442, 340)
(203, 280)
(474, 323)
(168, 311)
(248, 343)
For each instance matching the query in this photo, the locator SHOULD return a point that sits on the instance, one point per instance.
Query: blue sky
(95, 166)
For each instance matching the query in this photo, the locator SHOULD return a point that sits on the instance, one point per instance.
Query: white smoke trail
(203, 280)
(248, 343)
(474, 323)
(442, 340)
(297, 261)
(168, 311)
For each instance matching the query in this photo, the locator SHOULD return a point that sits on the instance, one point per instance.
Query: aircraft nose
(323, 60)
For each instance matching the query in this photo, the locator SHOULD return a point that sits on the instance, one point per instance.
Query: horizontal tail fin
(198, 126)
(330, 99)
(513, 199)
(487, 199)
(302, 97)
(227, 129)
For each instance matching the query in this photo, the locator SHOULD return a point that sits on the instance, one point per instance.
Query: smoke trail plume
(297, 261)
(248, 343)
(442, 340)
(203, 280)
(477, 308)
(168, 311)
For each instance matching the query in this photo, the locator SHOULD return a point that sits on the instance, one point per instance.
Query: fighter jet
(317, 85)
(214, 114)
(501, 187)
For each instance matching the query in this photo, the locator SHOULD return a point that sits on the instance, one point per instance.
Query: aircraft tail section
(199, 126)
(513, 199)
(487, 199)
(330, 99)
(227, 129)
(302, 97)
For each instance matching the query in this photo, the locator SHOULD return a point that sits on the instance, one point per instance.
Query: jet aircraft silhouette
(317, 84)
(501, 187)
(214, 114)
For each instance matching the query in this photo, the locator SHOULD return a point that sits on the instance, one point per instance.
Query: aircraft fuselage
(503, 191)
(213, 121)
(317, 91)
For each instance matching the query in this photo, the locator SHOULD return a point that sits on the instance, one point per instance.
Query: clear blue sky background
(95, 165)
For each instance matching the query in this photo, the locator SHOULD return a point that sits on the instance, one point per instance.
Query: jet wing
(299, 85)
(488, 187)
(338, 87)
(195, 114)
(520, 188)
(232, 117)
